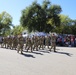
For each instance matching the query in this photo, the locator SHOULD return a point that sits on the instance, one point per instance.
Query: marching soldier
(8, 42)
(36, 43)
(47, 39)
(53, 42)
(41, 42)
(20, 44)
(4, 42)
(15, 42)
(33, 42)
(29, 44)
(26, 42)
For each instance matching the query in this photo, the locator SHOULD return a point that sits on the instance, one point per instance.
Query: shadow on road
(28, 55)
(37, 53)
(68, 54)
(44, 51)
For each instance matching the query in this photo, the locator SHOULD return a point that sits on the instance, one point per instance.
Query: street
(42, 62)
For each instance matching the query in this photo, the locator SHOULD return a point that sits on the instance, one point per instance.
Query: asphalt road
(42, 62)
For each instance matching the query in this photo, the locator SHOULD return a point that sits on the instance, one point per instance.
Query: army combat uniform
(47, 41)
(4, 42)
(53, 42)
(15, 42)
(20, 44)
(36, 43)
(29, 44)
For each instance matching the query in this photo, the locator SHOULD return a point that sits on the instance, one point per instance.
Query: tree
(36, 16)
(65, 25)
(17, 30)
(5, 22)
(73, 27)
(54, 14)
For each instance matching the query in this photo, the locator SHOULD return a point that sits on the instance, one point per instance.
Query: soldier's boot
(50, 48)
(27, 49)
(31, 50)
(39, 47)
(1, 46)
(12, 47)
(18, 50)
(42, 47)
(21, 51)
(36, 48)
(5, 45)
(54, 49)
(15, 48)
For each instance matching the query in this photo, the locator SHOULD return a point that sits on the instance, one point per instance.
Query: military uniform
(20, 44)
(15, 42)
(36, 43)
(29, 44)
(53, 42)
(8, 42)
(41, 42)
(33, 42)
(47, 39)
(4, 42)
(26, 42)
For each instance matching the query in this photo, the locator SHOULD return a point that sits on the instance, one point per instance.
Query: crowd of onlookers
(66, 40)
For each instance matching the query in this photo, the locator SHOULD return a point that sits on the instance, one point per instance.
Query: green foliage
(36, 16)
(5, 22)
(73, 27)
(17, 30)
(66, 24)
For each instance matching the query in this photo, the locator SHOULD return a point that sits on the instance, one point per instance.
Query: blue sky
(14, 7)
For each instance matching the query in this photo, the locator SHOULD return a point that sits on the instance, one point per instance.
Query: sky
(14, 7)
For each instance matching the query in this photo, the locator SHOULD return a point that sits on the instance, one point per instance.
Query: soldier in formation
(53, 42)
(47, 41)
(31, 43)
(15, 42)
(20, 44)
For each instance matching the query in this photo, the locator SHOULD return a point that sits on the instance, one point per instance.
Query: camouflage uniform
(1, 42)
(36, 43)
(26, 42)
(4, 42)
(41, 40)
(15, 42)
(8, 42)
(33, 42)
(20, 44)
(29, 44)
(53, 42)
(47, 39)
